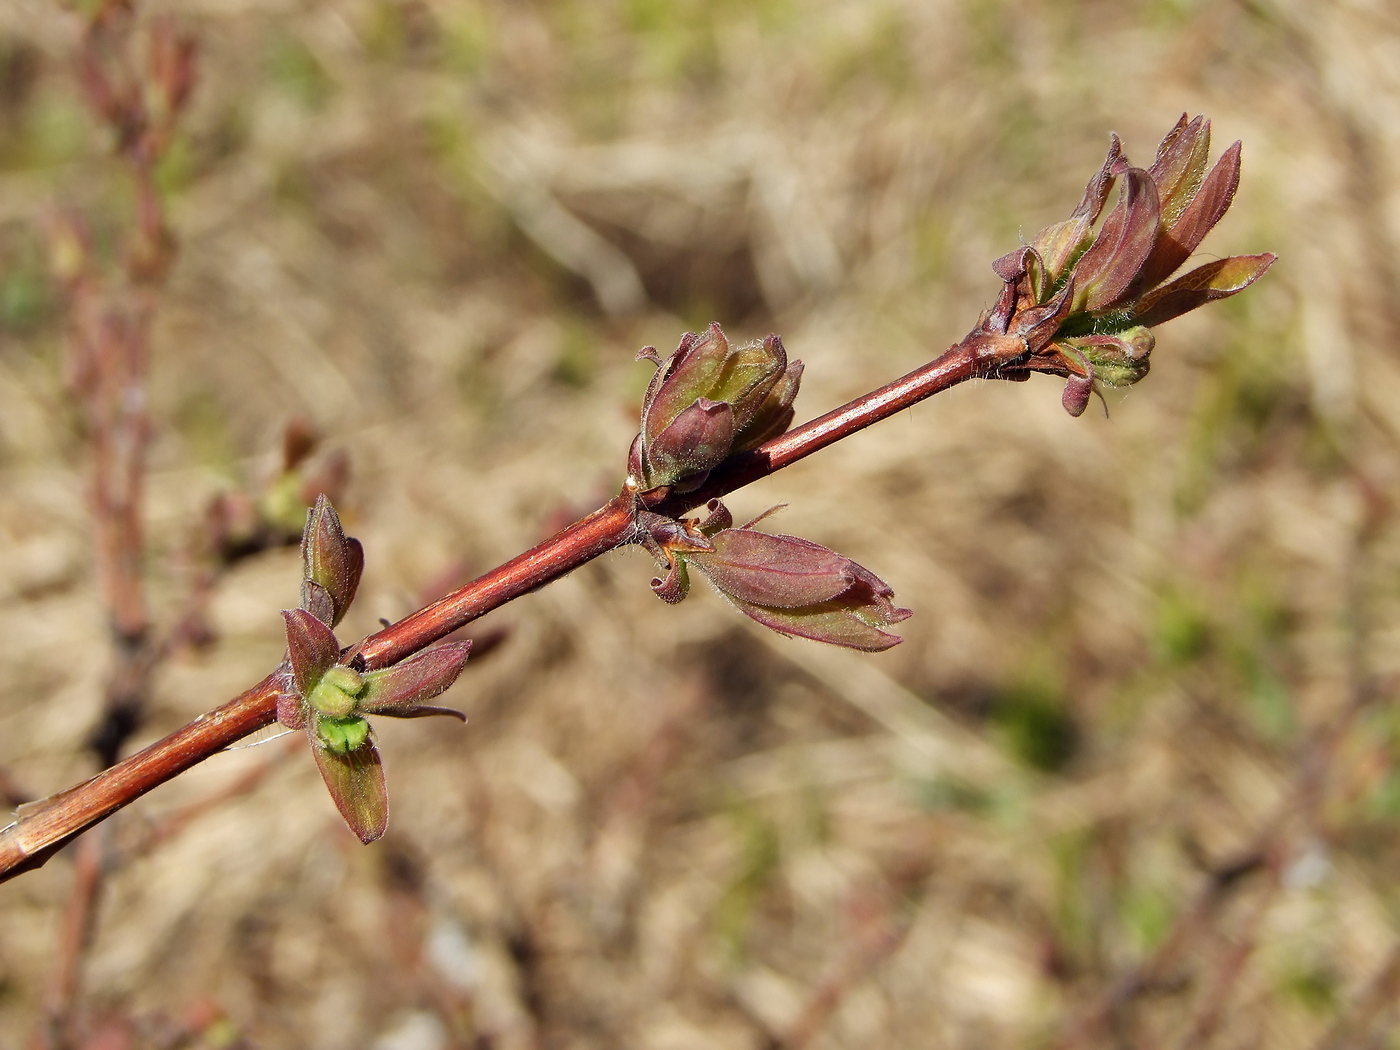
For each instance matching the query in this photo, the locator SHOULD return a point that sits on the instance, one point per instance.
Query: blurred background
(1130, 781)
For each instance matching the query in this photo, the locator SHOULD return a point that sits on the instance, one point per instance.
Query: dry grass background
(440, 231)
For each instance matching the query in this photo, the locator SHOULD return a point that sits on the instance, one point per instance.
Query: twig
(44, 827)
(173, 824)
(1090, 333)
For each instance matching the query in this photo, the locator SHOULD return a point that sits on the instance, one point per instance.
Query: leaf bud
(1109, 286)
(788, 584)
(331, 560)
(708, 400)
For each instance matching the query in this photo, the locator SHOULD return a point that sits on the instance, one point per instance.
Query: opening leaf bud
(1114, 278)
(330, 560)
(708, 400)
(786, 583)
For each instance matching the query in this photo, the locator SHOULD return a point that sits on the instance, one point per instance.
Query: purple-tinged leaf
(718, 518)
(1214, 280)
(785, 572)
(774, 416)
(400, 690)
(662, 534)
(1179, 167)
(1097, 190)
(1112, 262)
(1011, 267)
(311, 647)
(697, 440)
(355, 780)
(316, 600)
(330, 558)
(291, 710)
(834, 625)
(1037, 324)
(1169, 140)
(663, 368)
(675, 585)
(872, 599)
(749, 374)
(999, 316)
(688, 375)
(1075, 399)
(1058, 245)
(1198, 218)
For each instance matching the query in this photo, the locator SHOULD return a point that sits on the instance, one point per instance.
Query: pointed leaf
(689, 374)
(330, 558)
(311, 647)
(699, 439)
(1059, 244)
(316, 600)
(872, 599)
(749, 373)
(1198, 218)
(1112, 262)
(1180, 166)
(772, 569)
(775, 415)
(1214, 280)
(1096, 192)
(833, 625)
(401, 690)
(663, 368)
(355, 780)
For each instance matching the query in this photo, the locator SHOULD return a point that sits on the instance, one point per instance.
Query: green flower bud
(340, 735)
(335, 694)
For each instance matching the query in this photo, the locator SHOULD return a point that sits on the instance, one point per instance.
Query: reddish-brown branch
(47, 826)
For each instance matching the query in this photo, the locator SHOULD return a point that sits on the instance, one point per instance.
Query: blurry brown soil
(440, 231)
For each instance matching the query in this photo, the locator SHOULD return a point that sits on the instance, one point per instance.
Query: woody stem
(47, 826)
